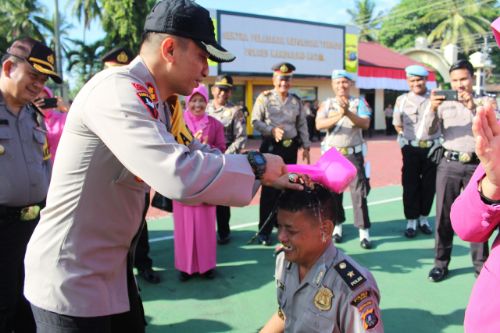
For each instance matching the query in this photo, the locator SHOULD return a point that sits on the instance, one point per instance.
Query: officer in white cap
(419, 149)
(454, 118)
(344, 118)
(124, 133)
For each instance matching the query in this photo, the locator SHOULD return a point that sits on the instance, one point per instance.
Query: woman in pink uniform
(475, 215)
(194, 226)
(55, 118)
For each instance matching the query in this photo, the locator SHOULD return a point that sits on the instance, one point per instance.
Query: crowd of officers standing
(434, 133)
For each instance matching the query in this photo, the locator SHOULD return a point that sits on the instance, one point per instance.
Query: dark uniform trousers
(269, 195)
(419, 181)
(223, 216)
(142, 261)
(15, 312)
(359, 189)
(452, 176)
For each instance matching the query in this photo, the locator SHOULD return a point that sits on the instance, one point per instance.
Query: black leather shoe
(337, 238)
(366, 244)
(210, 274)
(224, 240)
(265, 240)
(183, 276)
(150, 276)
(425, 228)
(438, 274)
(410, 233)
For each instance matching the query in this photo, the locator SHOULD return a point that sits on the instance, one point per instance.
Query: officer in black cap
(25, 169)
(119, 56)
(279, 116)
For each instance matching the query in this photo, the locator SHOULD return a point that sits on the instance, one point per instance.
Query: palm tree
(459, 22)
(64, 33)
(85, 58)
(363, 17)
(87, 10)
(21, 18)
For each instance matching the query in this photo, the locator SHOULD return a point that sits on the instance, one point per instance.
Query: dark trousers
(15, 311)
(142, 261)
(452, 177)
(223, 217)
(389, 127)
(419, 181)
(269, 195)
(131, 321)
(359, 189)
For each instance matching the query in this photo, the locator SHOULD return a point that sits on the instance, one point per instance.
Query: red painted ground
(384, 156)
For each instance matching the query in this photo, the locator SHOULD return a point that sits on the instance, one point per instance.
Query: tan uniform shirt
(409, 113)
(455, 122)
(344, 133)
(337, 295)
(270, 111)
(115, 142)
(235, 128)
(24, 157)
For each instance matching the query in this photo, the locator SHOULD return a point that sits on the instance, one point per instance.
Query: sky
(325, 11)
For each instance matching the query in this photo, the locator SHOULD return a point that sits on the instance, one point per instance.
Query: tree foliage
(363, 15)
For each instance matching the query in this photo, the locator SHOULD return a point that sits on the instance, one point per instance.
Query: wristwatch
(257, 162)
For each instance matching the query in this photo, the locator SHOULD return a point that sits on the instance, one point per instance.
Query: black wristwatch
(257, 162)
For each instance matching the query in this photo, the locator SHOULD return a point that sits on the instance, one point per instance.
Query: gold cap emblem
(284, 68)
(122, 57)
(50, 59)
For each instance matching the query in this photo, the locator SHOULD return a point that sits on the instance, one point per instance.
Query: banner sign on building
(259, 42)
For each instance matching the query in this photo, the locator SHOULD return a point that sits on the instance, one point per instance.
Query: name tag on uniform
(4, 121)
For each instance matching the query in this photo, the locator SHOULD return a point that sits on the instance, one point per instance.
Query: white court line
(241, 226)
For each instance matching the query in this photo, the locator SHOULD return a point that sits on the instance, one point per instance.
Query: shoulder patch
(360, 297)
(152, 92)
(267, 92)
(369, 318)
(351, 276)
(139, 87)
(145, 99)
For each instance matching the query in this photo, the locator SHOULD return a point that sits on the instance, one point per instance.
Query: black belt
(27, 213)
(465, 158)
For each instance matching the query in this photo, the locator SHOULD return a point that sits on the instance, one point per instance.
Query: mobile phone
(49, 103)
(449, 95)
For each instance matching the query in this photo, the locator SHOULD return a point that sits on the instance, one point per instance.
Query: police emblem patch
(146, 100)
(370, 319)
(323, 299)
(360, 297)
(152, 92)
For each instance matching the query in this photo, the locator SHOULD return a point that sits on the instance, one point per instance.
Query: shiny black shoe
(264, 240)
(224, 240)
(438, 274)
(425, 228)
(410, 233)
(210, 274)
(337, 238)
(366, 244)
(183, 276)
(150, 276)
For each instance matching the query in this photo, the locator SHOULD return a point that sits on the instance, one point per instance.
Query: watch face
(258, 159)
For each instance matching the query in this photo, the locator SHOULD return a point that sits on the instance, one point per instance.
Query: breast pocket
(315, 321)
(449, 113)
(411, 115)
(5, 141)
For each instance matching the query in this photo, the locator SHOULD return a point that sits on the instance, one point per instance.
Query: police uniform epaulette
(351, 276)
(37, 115)
(267, 92)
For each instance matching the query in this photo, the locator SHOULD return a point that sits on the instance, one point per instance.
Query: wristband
(485, 199)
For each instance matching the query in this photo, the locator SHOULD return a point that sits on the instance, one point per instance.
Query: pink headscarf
(495, 26)
(195, 123)
(54, 122)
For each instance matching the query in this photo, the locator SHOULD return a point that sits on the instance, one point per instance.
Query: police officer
(25, 169)
(455, 169)
(419, 151)
(116, 140)
(278, 115)
(121, 56)
(345, 117)
(320, 289)
(235, 132)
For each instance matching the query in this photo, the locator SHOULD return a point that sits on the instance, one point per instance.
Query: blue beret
(416, 70)
(340, 73)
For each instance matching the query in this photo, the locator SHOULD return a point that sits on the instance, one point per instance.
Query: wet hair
(316, 201)
(462, 64)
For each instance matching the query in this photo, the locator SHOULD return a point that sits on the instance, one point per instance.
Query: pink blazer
(475, 221)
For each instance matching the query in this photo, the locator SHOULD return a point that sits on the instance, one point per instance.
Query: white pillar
(378, 113)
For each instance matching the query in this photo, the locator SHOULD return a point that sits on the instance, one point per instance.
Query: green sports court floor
(242, 296)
